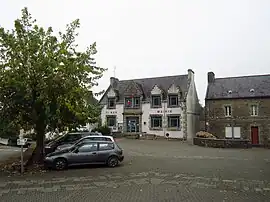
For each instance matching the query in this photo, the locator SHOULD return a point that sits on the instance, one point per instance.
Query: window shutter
(228, 132)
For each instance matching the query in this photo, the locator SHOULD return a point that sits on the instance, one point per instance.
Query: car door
(86, 154)
(104, 151)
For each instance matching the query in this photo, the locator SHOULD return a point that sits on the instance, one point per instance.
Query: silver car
(86, 139)
(95, 152)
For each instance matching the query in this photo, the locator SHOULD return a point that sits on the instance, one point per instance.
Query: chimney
(190, 74)
(113, 82)
(211, 77)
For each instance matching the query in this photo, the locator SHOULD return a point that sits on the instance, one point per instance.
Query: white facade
(180, 121)
(164, 111)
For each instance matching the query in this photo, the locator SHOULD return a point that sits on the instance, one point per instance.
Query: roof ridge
(155, 77)
(232, 77)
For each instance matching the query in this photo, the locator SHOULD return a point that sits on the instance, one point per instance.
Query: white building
(165, 106)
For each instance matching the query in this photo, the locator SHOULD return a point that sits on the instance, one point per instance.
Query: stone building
(239, 107)
(161, 106)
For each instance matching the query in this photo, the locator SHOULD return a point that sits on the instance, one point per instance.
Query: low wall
(145, 136)
(221, 143)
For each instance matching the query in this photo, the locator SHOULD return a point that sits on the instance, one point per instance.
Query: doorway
(255, 135)
(133, 125)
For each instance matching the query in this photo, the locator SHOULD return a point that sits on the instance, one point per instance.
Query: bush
(105, 130)
(203, 134)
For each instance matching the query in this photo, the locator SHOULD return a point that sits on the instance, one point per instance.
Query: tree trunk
(39, 151)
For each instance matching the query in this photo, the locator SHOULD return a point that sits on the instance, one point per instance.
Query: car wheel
(113, 161)
(60, 164)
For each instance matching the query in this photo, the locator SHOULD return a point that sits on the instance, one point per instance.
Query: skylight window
(230, 92)
(251, 90)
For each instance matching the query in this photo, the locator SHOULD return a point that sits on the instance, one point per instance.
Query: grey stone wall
(241, 117)
(221, 143)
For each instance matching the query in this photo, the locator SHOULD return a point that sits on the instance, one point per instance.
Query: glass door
(133, 124)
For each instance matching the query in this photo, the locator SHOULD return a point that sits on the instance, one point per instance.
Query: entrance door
(133, 124)
(254, 135)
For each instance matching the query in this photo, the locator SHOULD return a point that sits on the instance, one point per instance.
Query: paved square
(154, 171)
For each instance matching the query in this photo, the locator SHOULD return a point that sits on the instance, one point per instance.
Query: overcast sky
(149, 38)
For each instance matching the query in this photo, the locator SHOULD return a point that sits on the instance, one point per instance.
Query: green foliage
(8, 129)
(105, 130)
(44, 80)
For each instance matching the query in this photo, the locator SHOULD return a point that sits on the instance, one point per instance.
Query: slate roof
(147, 84)
(240, 87)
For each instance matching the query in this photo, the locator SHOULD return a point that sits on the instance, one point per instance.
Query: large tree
(44, 80)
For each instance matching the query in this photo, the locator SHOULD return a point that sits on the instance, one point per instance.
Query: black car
(95, 152)
(69, 138)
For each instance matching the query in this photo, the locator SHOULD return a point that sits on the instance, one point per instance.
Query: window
(228, 132)
(128, 102)
(233, 132)
(111, 103)
(101, 139)
(254, 110)
(173, 100)
(228, 111)
(156, 101)
(111, 121)
(136, 102)
(173, 121)
(132, 102)
(105, 146)
(72, 137)
(156, 121)
(88, 148)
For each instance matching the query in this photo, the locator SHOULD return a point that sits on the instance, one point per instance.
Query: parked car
(86, 153)
(69, 138)
(87, 139)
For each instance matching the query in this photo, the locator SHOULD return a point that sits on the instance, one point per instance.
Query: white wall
(147, 111)
(118, 112)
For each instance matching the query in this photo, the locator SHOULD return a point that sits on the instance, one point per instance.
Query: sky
(151, 38)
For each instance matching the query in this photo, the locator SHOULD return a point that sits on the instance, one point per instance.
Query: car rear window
(106, 146)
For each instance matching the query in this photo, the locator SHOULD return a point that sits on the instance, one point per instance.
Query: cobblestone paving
(165, 176)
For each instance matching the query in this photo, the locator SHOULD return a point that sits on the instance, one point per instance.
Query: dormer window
(251, 90)
(173, 100)
(111, 103)
(156, 101)
(132, 102)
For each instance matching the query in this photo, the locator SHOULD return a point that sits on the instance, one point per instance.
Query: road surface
(154, 171)
(6, 152)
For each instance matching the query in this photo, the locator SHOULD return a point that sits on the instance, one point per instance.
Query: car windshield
(82, 139)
